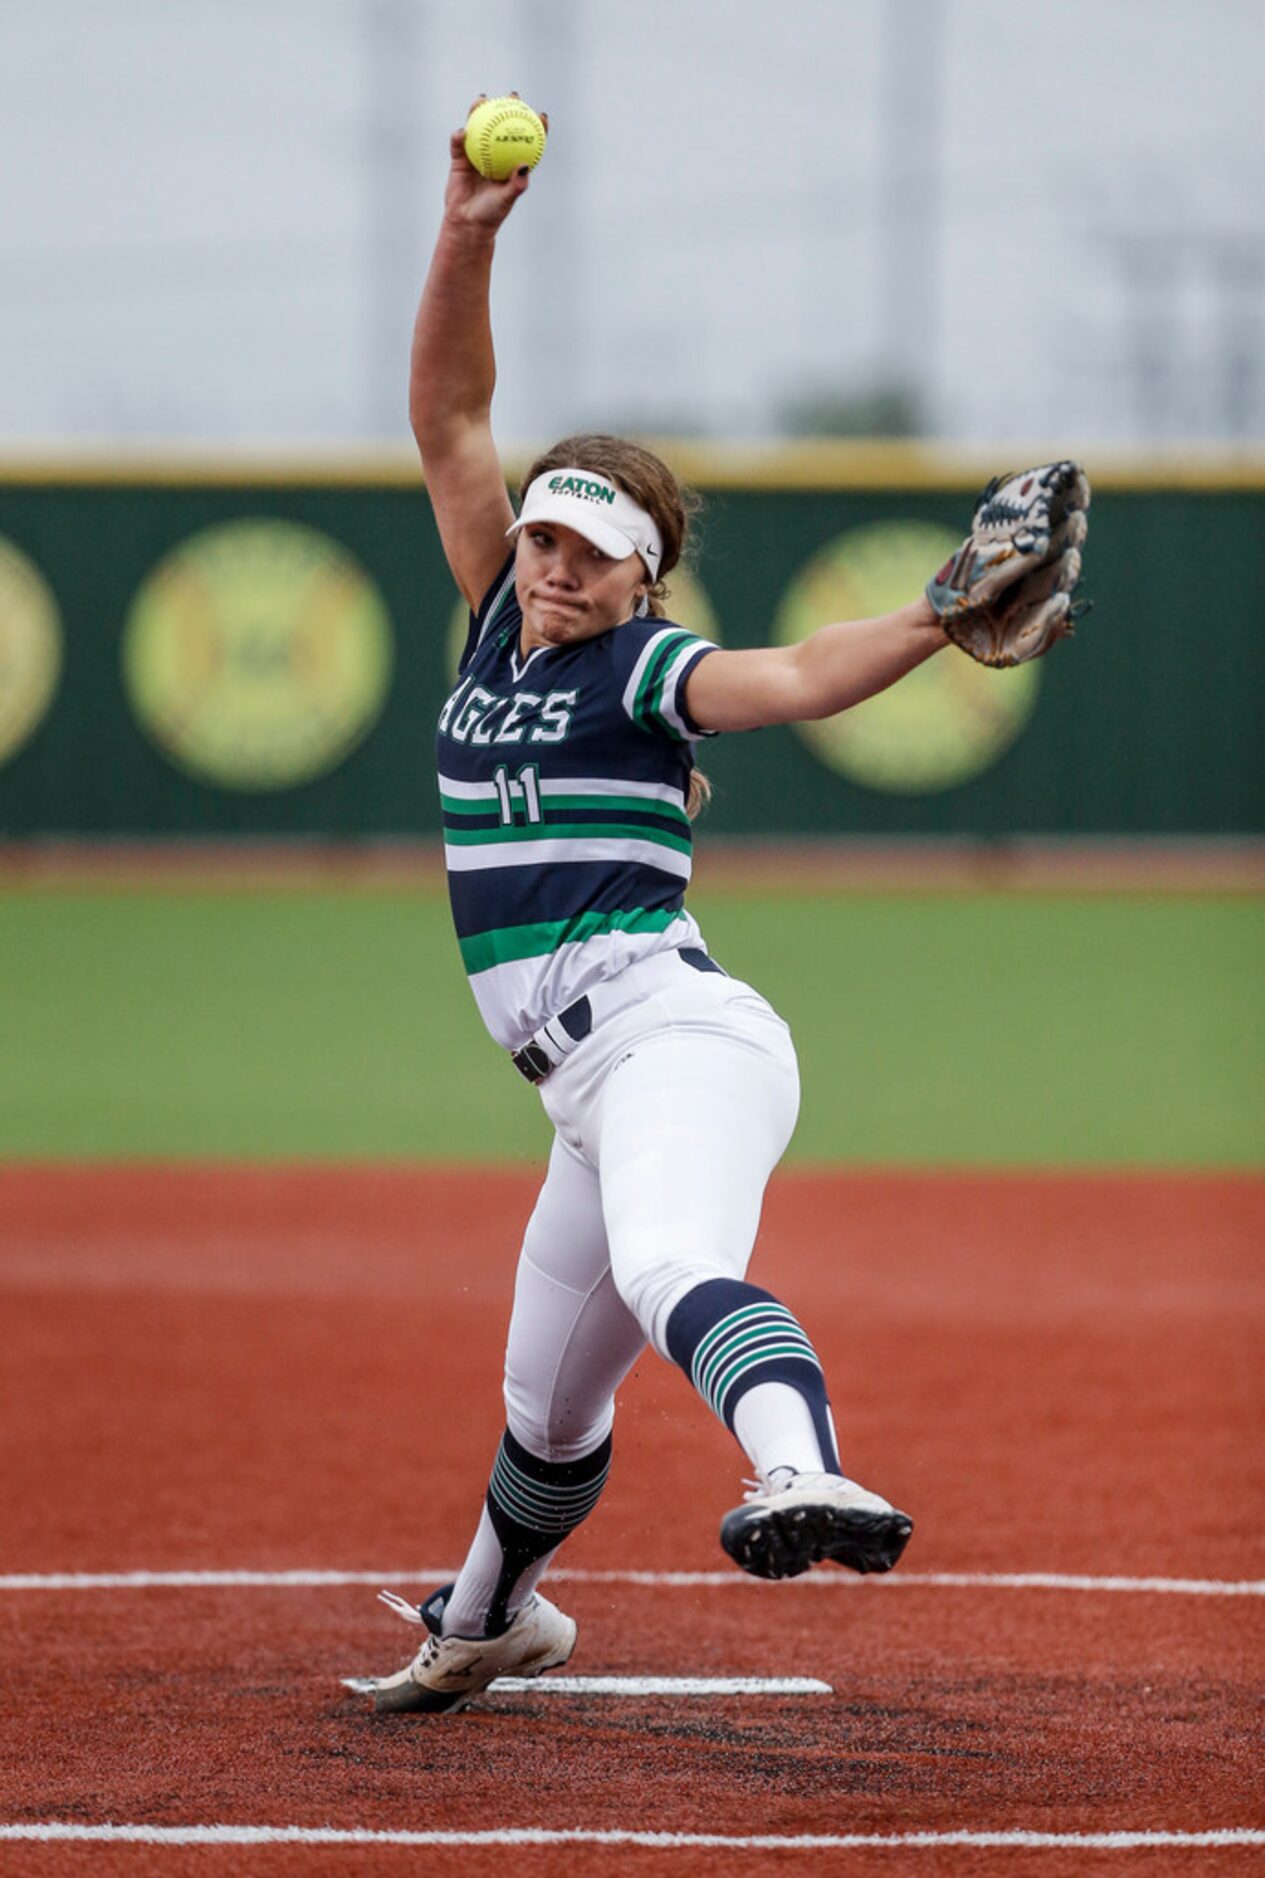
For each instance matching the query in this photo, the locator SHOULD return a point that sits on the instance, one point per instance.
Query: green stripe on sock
(756, 1334)
(792, 1342)
(749, 1316)
(541, 1505)
(721, 1330)
(799, 1353)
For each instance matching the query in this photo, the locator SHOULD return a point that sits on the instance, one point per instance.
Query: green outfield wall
(219, 650)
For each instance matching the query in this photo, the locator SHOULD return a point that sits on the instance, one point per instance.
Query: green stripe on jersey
(469, 805)
(482, 950)
(612, 805)
(619, 805)
(649, 699)
(567, 831)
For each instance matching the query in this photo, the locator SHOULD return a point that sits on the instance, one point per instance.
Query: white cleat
(797, 1520)
(448, 1672)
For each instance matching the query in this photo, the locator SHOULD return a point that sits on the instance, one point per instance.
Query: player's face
(568, 589)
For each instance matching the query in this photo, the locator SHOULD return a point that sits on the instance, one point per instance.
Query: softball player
(567, 777)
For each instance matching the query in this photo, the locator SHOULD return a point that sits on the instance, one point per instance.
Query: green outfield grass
(989, 1028)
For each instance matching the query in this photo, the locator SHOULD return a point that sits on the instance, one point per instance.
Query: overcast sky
(1047, 222)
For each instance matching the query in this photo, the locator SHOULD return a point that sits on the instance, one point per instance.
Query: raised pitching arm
(453, 375)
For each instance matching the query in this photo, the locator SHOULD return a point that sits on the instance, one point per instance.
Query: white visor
(597, 509)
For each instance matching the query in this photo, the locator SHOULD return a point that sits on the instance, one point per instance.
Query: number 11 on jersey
(527, 783)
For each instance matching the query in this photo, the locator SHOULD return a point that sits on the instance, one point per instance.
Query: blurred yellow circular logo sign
(258, 654)
(942, 724)
(30, 648)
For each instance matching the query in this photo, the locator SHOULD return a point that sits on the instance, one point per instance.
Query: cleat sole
(784, 1542)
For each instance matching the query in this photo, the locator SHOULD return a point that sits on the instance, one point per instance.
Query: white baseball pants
(669, 1118)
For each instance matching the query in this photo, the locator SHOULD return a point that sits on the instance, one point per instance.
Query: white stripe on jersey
(520, 853)
(611, 786)
(565, 786)
(666, 688)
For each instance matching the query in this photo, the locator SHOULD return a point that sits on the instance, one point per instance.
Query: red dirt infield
(296, 1369)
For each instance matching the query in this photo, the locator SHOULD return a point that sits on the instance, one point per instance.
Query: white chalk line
(719, 1580)
(52, 1830)
(635, 1685)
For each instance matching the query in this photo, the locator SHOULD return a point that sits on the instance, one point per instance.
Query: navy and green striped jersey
(563, 779)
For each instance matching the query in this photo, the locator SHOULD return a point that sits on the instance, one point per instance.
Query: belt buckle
(531, 1062)
(534, 1061)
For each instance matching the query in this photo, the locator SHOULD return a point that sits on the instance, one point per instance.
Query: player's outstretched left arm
(1004, 598)
(838, 666)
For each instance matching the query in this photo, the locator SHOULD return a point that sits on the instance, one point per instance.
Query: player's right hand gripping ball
(504, 135)
(1006, 595)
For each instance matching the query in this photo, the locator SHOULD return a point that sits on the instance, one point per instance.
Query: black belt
(534, 1061)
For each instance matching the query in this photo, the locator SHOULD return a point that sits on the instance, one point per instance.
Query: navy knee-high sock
(729, 1337)
(533, 1505)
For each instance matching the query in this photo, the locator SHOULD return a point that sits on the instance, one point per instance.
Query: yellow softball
(503, 134)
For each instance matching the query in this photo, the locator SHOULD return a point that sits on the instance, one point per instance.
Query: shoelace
(402, 1608)
(784, 1477)
(768, 1483)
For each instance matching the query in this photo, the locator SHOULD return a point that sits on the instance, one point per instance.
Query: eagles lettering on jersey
(563, 779)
